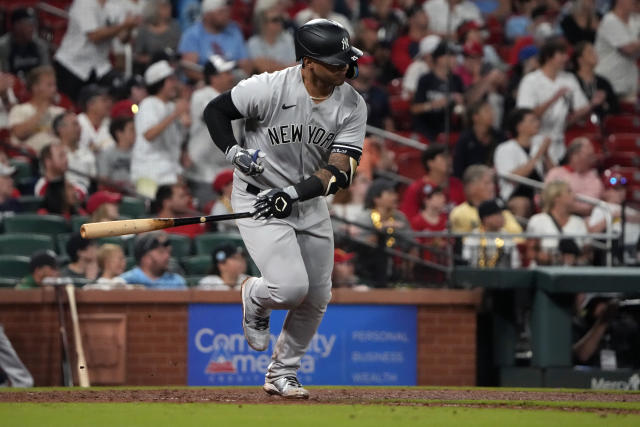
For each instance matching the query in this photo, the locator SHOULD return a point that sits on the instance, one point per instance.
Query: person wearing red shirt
(406, 47)
(432, 217)
(173, 201)
(437, 163)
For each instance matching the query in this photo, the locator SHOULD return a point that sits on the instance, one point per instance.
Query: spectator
(479, 80)
(437, 94)
(81, 161)
(112, 264)
(391, 19)
(103, 206)
(524, 155)
(432, 217)
(54, 164)
(157, 150)
(527, 62)
(214, 34)
(556, 218)
(489, 252)
(349, 204)
(114, 163)
(21, 50)
(9, 204)
(223, 185)
(271, 48)
(376, 98)
(519, 24)
(158, 32)
(591, 329)
(228, 269)
(61, 197)
(479, 186)
(152, 253)
(436, 161)
(42, 265)
(172, 201)
(421, 65)
(207, 160)
(83, 258)
(585, 61)
(471, 32)
(322, 9)
(94, 120)
(30, 122)
(83, 56)
(7, 98)
(11, 367)
(447, 15)
(367, 35)
(477, 145)
(581, 23)
(554, 95)
(406, 47)
(343, 274)
(618, 47)
(579, 173)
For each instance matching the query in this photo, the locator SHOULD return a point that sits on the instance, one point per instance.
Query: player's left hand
(275, 202)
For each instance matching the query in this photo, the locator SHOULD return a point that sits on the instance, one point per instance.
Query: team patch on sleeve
(349, 150)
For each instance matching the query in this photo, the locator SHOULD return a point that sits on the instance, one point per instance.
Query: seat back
(24, 244)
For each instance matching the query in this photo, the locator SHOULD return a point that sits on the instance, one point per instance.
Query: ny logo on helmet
(345, 43)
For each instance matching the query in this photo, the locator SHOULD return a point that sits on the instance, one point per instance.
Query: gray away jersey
(296, 134)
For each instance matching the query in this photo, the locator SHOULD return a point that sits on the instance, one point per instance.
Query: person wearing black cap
(152, 252)
(489, 252)
(42, 265)
(83, 255)
(21, 49)
(228, 269)
(431, 103)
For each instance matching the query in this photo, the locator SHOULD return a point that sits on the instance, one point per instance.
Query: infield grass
(199, 414)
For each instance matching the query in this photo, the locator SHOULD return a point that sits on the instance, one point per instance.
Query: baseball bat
(95, 230)
(83, 369)
(67, 378)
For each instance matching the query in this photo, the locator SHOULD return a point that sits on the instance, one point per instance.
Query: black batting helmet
(328, 42)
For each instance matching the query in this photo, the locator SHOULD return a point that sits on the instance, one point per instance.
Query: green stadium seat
(30, 204)
(206, 243)
(8, 282)
(61, 243)
(131, 262)
(180, 245)
(196, 265)
(77, 221)
(24, 244)
(34, 223)
(23, 169)
(133, 207)
(14, 266)
(192, 281)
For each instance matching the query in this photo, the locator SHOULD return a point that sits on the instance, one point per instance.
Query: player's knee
(297, 293)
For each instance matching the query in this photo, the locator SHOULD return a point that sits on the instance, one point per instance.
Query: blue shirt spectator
(166, 281)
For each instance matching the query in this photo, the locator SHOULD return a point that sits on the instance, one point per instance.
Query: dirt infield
(334, 395)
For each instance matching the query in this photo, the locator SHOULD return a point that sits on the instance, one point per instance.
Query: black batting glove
(246, 160)
(275, 202)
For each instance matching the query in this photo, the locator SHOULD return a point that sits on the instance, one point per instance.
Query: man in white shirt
(618, 47)
(445, 16)
(155, 159)
(94, 120)
(206, 162)
(83, 55)
(420, 66)
(82, 162)
(554, 95)
(322, 9)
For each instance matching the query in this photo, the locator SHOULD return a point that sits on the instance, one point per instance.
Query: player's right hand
(246, 160)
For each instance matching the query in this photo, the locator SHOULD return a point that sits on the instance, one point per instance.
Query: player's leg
(301, 324)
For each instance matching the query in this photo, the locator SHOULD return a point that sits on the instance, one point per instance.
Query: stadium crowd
(101, 107)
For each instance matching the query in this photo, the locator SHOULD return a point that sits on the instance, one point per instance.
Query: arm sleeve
(85, 16)
(218, 115)
(350, 138)
(613, 33)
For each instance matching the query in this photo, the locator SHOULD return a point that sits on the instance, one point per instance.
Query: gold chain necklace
(376, 219)
(491, 262)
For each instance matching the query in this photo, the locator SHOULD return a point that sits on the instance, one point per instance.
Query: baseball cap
(147, 242)
(158, 71)
(612, 179)
(43, 258)
(6, 170)
(223, 252)
(465, 27)
(222, 179)
(122, 108)
(340, 255)
(490, 207)
(527, 52)
(428, 44)
(99, 198)
(88, 93)
(366, 60)
(473, 49)
(442, 49)
(20, 14)
(211, 5)
(217, 64)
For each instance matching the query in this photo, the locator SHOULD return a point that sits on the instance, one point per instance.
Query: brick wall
(157, 325)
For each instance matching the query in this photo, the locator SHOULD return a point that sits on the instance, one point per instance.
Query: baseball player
(304, 136)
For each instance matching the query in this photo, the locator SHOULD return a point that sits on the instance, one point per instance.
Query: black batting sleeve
(218, 115)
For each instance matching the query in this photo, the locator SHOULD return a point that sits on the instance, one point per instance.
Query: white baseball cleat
(286, 387)
(256, 328)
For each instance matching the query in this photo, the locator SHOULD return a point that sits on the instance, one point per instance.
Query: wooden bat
(95, 230)
(67, 378)
(83, 369)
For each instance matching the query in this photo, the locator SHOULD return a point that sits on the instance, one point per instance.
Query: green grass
(533, 404)
(198, 414)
